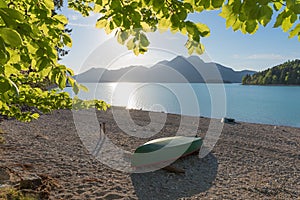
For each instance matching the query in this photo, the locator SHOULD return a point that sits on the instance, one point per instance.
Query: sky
(93, 48)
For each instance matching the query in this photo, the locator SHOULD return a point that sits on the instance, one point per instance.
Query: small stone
(118, 188)
(31, 182)
(4, 176)
(80, 191)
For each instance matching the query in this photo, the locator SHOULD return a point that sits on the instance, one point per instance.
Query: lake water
(278, 105)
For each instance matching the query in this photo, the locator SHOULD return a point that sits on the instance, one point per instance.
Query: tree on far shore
(287, 73)
(31, 34)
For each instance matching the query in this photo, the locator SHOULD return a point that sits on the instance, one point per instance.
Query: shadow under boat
(198, 177)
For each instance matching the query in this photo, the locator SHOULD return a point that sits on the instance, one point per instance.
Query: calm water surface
(278, 105)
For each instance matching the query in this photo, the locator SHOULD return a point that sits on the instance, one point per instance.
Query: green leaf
(146, 2)
(190, 27)
(217, 3)
(4, 57)
(277, 5)
(296, 8)
(144, 40)
(230, 21)
(243, 28)
(116, 5)
(295, 31)
(42, 63)
(286, 24)
(165, 12)
(135, 17)
(108, 27)
(99, 2)
(193, 46)
(290, 3)
(45, 72)
(182, 15)
(70, 71)
(134, 4)
(293, 18)
(101, 23)
(83, 88)
(126, 22)
(130, 44)
(62, 81)
(35, 115)
(279, 19)
(76, 88)
(205, 4)
(9, 69)
(5, 84)
(14, 57)
(71, 81)
(203, 29)
(164, 24)
(236, 6)
(61, 18)
(196, 38)
(122, 36)
(200, 49)
(3, 4)
(265, 15)
(251, 26)
(118, 19)
(226, 11)
(175, 20)
(10, 16)
(264, 2)
(67, 40)
(136, 51)
(188, 6)
(49, 4)
(11, 37)
(158, 4)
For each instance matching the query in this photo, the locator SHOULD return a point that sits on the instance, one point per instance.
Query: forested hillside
(287, 73)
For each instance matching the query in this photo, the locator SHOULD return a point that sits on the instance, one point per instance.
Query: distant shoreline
(206, 117)
(288, 85)
(212, 82)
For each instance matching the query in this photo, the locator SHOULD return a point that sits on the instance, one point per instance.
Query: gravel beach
(249, 161)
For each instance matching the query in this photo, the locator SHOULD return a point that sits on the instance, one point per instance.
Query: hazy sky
(93, 48)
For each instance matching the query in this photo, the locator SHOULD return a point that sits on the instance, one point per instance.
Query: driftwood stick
(103, 127)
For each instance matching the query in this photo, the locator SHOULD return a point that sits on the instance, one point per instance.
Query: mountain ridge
(177, 70)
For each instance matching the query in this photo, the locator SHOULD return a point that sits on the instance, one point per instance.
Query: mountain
(178, 70)
(287, 73)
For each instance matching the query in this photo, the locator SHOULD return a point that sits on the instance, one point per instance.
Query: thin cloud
(236, 56)
(74, 16)
(82, 25)
(78, 16)
(265, 57)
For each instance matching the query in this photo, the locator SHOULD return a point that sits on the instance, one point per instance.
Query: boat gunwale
(196, 139)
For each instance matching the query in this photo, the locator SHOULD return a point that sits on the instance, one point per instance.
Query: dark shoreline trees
(287, 73)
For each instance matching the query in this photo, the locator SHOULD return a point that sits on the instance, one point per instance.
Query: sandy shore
(249, 161)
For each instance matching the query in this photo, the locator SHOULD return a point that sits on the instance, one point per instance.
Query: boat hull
(162, 152)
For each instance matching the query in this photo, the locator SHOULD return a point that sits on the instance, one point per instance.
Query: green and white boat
(163, 151)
